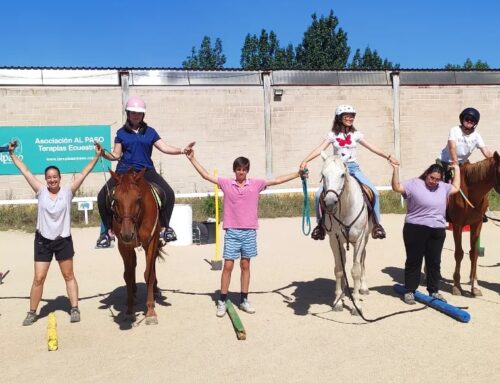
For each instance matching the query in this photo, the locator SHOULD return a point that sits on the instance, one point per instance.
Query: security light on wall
(278, 92)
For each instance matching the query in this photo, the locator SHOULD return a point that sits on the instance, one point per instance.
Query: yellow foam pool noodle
(52, 332)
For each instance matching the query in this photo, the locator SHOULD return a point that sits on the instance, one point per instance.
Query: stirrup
(168, 235)
(378, 232)
(318, 233)
(104, 241)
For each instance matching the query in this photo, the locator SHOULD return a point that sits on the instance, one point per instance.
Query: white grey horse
(347, 223)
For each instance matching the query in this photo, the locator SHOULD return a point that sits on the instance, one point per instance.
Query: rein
(306, 214)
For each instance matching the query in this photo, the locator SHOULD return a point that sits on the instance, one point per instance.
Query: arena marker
(236, 321)
(446, 308)
(52, 332)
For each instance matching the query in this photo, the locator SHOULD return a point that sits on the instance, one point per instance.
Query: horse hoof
(364, 292)
(456, 291)
(151, 320)
(476, 292)
(338, 308)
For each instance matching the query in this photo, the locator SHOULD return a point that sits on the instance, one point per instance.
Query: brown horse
(476, 181)
(136, 223)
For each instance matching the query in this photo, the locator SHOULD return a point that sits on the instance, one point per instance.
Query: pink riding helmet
(135, 104)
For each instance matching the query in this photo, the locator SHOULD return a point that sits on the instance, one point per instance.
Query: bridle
(345, 228)
(135, 218)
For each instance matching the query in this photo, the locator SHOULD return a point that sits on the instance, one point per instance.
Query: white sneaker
(247, 307)
(221, 309)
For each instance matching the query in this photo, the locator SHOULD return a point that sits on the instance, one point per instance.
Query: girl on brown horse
(133, 148)
(463, 140)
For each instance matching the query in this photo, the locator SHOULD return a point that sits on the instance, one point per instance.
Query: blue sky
(161, 33)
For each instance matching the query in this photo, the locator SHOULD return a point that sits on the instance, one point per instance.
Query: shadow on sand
(116, 303)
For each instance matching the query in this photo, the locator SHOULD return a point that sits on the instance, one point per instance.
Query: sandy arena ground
(293, 337)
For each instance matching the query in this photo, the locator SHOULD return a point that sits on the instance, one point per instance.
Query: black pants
(423, 241)
(152, 176)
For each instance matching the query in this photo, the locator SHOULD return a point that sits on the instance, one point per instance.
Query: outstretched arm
(396, 185)
(199, 168)
(282, 179)
(315, 153)
(78, 180)
(163, 147)
(455, 185)
(35, 184)
(375, 149)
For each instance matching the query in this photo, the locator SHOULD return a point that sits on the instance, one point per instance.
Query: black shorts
(45, 248)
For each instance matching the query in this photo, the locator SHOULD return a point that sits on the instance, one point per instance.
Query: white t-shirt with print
(465, 144)
(344, 145)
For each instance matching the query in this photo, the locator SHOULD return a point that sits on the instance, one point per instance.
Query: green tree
(207, 58)
(370, 61)
(264, 53)
(469, 65)
(323, 47)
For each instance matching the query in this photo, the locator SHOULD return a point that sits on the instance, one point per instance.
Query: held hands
(304, 173)
(188, 150)
(394, 164)
(189, 153)
(393, 160)
(98, 149)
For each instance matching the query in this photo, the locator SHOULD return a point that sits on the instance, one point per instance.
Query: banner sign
(69, 148)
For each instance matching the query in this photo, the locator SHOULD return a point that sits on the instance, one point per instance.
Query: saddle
(368, 196)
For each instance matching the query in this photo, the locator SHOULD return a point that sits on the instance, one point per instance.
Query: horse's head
(496, 157)
(333, 174)
(127, 210)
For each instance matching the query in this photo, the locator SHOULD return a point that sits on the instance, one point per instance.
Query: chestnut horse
(476, 181)
(136, 223)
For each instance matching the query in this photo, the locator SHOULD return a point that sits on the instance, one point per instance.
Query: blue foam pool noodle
(446, 308)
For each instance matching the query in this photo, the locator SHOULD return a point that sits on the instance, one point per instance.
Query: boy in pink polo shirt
(241, 202)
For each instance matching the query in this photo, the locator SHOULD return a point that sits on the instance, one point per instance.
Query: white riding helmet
(341, 109)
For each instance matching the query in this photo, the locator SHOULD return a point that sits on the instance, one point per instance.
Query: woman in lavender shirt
(424, 230)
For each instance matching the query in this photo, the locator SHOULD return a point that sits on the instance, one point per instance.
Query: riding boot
(319, 232)
(378, 231)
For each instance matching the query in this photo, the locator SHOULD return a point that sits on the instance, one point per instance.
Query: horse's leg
(475, 231)
(150, 277)
(129, 262)
(356, 276)
(363, 290)
(459, 255)
(338, 255)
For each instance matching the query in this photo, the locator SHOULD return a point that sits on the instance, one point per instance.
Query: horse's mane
(478, 171)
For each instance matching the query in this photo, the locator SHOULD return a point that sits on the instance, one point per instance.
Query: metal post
(124, 77)
(266, 79)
